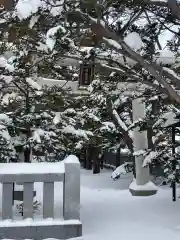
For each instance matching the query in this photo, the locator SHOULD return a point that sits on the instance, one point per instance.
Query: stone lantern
(87, 68)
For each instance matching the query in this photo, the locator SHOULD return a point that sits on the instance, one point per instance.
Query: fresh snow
(4, 121)
(77, 132)
(32, 222)
(9, 68)
(4, 132)
(166, 120)
(3, 61)
(108, 126)
(6, 79)
(25, 8)
(70, 111)
(120, 122)
(9, 97)
(94, 117)
(139, 152)
(36, 137)
(56, 11)
(33, 21)
(79, 145)
(51, 36)
(5, 64)
(33, 84)
(133, 40)
(119, 171)
(85, 49)
(4, 118)
(108, 211)
(57, 118)
(71, 159)
(33, 168)
(112, 43)
(43, 133)
(171, 72)
(148, 159)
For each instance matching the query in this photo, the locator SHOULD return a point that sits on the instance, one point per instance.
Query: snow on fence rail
(27, 174)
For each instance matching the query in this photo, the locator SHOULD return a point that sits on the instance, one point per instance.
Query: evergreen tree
(32, 40)
(127, 41)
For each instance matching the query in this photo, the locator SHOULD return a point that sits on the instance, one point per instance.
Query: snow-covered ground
(109, 212)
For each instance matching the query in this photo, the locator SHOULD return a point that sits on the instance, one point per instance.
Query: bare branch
(157, 40)
(20, 88)
(133, 18)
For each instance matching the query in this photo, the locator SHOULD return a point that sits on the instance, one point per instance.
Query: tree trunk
(155, 111)
(96, 160)
(150, 144)
(27, 155)
(83, 157)
(88, 158)
(132, 158)
(27, 151)
(85, 162)
(149, 137)
(118, 156)
(96, 166)
(102, 161)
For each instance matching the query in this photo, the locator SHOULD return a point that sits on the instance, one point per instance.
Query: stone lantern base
(145, 190)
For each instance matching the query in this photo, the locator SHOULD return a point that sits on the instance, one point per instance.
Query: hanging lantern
(86, 74)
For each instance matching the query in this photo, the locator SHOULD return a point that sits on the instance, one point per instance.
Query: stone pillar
(71, 189)
(141, 186)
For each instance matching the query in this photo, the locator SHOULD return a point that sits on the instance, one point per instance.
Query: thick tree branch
(106, 32)
(125, 133)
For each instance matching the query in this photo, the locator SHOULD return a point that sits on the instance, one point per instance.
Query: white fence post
(48, 200)
(71, 189)
(7, 196)
(28, 200)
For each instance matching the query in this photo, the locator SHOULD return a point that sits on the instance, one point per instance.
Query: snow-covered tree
(132, 37)
(126, 38)
(7, 151)
(32, 40)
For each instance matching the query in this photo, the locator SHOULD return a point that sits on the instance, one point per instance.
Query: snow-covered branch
(104, 31)
(120, 122)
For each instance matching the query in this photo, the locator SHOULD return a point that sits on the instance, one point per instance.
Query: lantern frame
(86, 75)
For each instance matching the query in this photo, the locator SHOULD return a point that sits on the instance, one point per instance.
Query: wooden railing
(27, 174)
